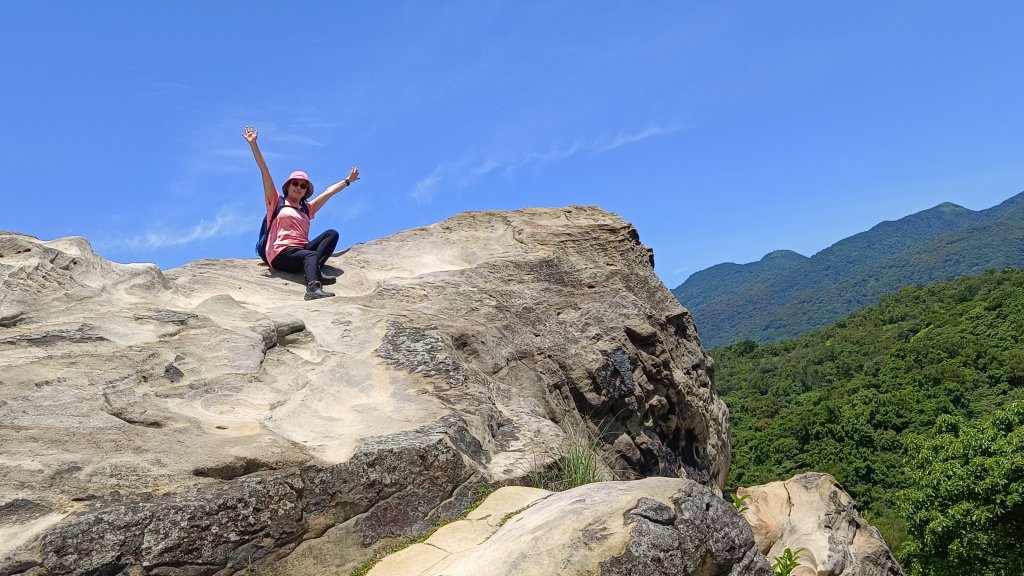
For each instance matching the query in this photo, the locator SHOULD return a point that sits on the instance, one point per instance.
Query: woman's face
(296, 189)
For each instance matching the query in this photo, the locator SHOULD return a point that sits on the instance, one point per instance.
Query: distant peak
(783, 255)
(943, 211)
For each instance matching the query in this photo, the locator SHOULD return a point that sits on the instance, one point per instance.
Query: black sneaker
(315, 291)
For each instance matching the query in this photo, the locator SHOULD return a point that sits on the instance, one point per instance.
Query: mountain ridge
(781, 296)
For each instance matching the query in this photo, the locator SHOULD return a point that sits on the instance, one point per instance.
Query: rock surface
(205, 419)
(811, 511)
(655, 526)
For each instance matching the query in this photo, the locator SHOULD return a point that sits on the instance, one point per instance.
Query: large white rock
(654, 526)
(452, 353)
(811, 511)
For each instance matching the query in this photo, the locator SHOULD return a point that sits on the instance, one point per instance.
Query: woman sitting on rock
(288, 246)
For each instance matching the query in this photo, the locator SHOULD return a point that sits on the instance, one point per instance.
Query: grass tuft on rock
(580, 461)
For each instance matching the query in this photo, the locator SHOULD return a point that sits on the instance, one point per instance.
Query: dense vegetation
(965, 506)
(786, 294)
(852, 398)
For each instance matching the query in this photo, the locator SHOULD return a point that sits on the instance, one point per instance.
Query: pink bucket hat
(298, 175)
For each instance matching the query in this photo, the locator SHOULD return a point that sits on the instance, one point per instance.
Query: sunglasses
(300, 183)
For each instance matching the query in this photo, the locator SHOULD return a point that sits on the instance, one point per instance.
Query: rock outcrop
(811, 511)
(655, 526)
(207, 420)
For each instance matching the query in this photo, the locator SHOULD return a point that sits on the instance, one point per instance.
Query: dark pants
(309, 259)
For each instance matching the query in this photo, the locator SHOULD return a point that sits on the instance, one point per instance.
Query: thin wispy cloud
(620, 140)
(287, 138)
(315, 123)
(244, 154)
(171, 86)
(534, 158)
(218, 148)
(464, 173)
(226, 223)
(348, 212)
(459, 175)
(601, 144)
(423, 191)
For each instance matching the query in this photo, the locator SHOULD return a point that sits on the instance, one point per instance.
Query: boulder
(655, 526)
(811, 511)
(208, 420)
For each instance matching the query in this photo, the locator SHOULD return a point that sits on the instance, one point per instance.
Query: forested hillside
(849, 399)
(786, 294)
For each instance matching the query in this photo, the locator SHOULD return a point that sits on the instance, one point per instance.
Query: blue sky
(722, 130)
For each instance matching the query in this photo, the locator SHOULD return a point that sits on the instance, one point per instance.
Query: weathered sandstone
(811, 511)
(207, 419)
(655, 526)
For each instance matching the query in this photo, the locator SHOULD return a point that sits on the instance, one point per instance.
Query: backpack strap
(265, 226)
(280, 204)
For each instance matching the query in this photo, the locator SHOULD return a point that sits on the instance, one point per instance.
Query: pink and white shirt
(290, 228)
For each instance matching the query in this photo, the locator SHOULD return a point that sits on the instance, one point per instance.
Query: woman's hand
(269, 190)
(318, 202)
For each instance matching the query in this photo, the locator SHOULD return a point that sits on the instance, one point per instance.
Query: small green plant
(739, 503)
(579, 462)
(249, 570)
(480, 493)
(512, 515)
(363, 569)
(785, 564)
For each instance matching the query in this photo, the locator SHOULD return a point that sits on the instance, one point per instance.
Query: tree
(965, 509)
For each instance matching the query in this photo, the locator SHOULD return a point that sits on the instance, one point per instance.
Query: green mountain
(786, 294)
(850, 398)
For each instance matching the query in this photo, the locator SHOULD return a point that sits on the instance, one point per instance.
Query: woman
(288, 246)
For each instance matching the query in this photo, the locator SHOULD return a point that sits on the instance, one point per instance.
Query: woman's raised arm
(269, 190)
(318, 202)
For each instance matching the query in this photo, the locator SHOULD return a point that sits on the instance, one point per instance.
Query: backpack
(261, 245)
